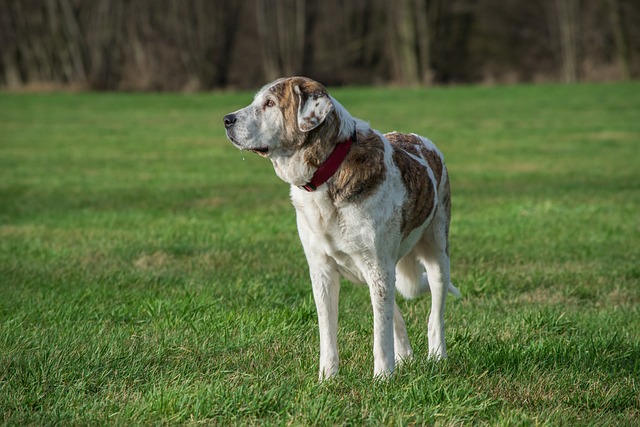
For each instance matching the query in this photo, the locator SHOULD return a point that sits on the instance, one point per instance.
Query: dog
(372, 208)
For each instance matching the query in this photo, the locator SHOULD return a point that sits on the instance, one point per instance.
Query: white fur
(360, 241)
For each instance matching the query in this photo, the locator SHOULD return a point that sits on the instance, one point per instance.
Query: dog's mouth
(261, 151)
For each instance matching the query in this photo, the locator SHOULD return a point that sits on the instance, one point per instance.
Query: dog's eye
(269, 103)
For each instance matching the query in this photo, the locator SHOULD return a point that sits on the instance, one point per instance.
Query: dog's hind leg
(437, 263)
(434, 253)
(401, 344)
(411, 282)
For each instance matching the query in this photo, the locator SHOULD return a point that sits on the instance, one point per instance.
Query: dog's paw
(327, 373)
(438, 353)
(383, 375)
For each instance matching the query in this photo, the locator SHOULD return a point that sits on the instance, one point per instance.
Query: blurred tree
(621, 37)
(403, 41)
(282, 29)
(201, 44)
(102, 43)
(409, 41)
(567, 15)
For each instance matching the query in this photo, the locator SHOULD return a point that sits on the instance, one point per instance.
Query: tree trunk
(423, 40)
(268, 47)
(406, 40)
(621, 38)
(282, 30)
(567, 12)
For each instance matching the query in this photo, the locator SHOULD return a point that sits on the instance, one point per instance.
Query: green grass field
(150, 273)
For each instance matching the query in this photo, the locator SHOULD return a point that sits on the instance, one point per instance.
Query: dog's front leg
(326, 290)
(382, 290)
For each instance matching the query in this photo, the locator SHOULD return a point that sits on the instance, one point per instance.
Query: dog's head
(280, 118)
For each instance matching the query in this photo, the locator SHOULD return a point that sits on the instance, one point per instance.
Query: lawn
(150, 273)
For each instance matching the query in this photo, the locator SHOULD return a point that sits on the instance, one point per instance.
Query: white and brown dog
(372, 208)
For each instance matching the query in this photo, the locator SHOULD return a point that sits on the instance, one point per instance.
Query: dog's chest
(326, 229)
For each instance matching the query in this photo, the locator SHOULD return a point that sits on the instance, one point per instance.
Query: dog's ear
(313, 107)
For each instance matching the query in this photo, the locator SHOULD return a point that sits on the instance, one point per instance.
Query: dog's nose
(229, 120)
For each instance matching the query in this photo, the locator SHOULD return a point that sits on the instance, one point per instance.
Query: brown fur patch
(446, 204)
(317, 143)
(287, 102)
(435, 163)
(421, 194)
(413, 144)
(409, 143)
(362, 171)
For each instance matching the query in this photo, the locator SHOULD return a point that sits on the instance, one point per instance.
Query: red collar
(331, 165)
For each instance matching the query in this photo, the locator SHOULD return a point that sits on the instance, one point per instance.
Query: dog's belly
(346, 238)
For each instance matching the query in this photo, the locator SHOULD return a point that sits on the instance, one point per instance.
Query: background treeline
(207, 44)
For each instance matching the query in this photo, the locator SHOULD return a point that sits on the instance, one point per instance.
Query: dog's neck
(298, 167)
(331, 164)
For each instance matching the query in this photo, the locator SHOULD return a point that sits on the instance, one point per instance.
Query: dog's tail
(454, 291)
(412, 281)
(450, 288)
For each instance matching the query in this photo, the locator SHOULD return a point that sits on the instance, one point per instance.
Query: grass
(151, 274)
